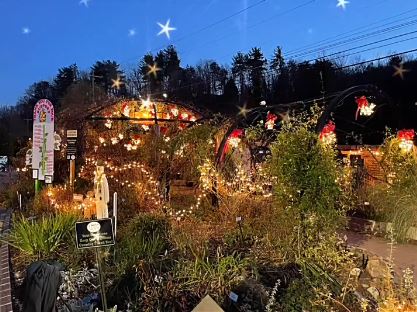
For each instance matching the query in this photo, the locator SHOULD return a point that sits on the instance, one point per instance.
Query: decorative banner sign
(43, 139)
(94, 233)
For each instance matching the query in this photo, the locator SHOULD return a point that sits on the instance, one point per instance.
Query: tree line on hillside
(210, 86)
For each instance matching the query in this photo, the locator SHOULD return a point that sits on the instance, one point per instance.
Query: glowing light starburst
(342, 4)
(165, 29)
(243, 111)
(400, 71)
(25, 30)
(84, 2)
(153, 70)
(117, 83)
(132, 32)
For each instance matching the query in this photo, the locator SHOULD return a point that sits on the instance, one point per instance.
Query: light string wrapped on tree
(364, 107)
(406, 138)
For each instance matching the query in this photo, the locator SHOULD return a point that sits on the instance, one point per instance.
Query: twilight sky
(40, 36)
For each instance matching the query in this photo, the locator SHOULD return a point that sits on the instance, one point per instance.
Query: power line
(381, 46)
(312, 45)
(358, 38)
(393, 28)
(210, 25)
(353, 31)
(257, 24)
(369, 44)
(377, 59)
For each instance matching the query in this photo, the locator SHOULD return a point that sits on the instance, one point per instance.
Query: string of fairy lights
(243, 180)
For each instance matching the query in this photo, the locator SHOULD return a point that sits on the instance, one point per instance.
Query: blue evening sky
(62, 32)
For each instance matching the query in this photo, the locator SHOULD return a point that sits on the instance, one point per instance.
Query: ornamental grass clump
(394, 198)
(41, 239)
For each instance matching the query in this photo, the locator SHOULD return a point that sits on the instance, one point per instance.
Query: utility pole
(27, 125)
(92, 85)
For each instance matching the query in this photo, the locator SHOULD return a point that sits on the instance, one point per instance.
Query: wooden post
(101, 278)
(72, 173)
(115, 212)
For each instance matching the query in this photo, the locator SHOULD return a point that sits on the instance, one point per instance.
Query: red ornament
(236, 133)
(406, 138)
(406, 135)
(233, 140)
(362, 103)
(328, 135)
(270, 121)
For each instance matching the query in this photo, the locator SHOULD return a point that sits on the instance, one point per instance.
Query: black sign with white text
(71, 148)
(94, 233)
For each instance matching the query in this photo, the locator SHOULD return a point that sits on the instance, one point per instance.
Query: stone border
(5, 283)
(375, 227)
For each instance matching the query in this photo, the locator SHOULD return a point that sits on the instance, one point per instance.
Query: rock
(207, 305)
(376, 267)
(412, 233)
(374, 292)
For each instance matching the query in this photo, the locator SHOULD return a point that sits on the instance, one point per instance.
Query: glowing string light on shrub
(406, 138)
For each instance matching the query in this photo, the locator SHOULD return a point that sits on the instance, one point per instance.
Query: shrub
(306, 171)
(140, 256)
(307, 187)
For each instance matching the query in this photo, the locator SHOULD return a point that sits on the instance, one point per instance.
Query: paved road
(405, 255)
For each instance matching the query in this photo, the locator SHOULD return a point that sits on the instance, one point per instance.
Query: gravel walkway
(404, 255)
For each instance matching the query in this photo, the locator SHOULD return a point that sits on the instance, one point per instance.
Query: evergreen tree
(105, 73)
(239, 70)
(256, 63)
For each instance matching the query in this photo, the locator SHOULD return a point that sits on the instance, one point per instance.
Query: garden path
(404, 255)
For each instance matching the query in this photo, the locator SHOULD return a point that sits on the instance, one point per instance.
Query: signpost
(72, 153)
(115, 212)
(43, 142)
(96, 234)
(78, 197)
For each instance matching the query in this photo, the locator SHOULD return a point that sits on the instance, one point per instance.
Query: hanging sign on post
(71, 144)
(43, 140)
(94, 233)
